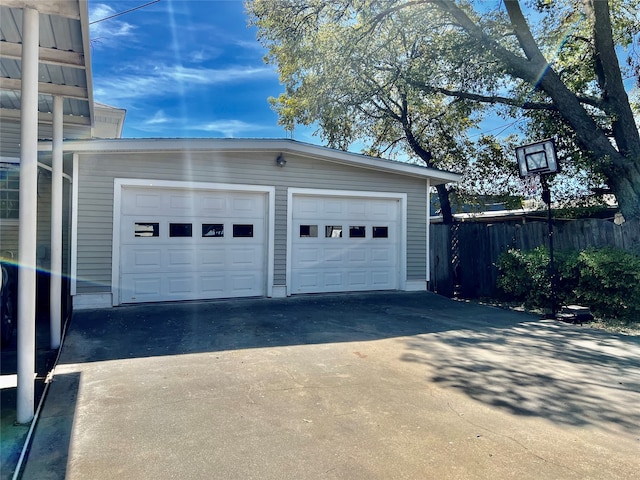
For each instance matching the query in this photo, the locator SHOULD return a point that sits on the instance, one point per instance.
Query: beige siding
(96, 183)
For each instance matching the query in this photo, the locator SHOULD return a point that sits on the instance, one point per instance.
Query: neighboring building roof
(109, 121)
(259, 145)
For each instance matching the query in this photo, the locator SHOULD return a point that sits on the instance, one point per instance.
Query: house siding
(97, 171)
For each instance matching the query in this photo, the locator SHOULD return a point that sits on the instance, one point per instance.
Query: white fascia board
(86, 49)
(260, 145)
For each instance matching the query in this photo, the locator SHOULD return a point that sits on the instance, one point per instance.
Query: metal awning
(63, 70)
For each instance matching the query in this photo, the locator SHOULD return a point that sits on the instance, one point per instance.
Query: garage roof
(258, 145)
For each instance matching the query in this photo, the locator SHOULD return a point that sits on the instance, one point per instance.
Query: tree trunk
(625, 184)
(445, 204)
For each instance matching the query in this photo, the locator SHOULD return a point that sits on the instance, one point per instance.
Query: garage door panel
(381, 279)
(180, 204)
(347, 263)
(357, 280)
(213, 284)
(382, 255)
(243, 283)
(357, 256)
(306, 281)
(181, 284)
(333, 256)
(308, 256)
(202, 259)
(141, 288)
(142, 260)
(141, 202)
(212, 257)
(244, 205)
(333, 280)
(180, 258)
(244, 257)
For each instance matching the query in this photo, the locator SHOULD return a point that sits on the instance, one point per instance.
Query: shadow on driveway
(514, 362)
(502, 358)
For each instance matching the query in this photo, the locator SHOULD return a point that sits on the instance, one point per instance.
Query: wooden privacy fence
(463, 255)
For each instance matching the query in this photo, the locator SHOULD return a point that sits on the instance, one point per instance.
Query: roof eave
(437, 177)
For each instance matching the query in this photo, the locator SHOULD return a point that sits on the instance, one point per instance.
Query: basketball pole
(546, 198)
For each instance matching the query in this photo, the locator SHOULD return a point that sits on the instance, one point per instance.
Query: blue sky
(190, 68)
(184, 68)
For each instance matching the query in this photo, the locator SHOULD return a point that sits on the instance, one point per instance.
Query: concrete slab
(374, 386)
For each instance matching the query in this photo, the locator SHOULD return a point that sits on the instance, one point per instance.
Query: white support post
(28, 216)
(55, 288)
(428, 200)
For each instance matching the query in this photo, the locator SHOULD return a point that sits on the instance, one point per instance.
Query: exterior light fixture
(280, 161)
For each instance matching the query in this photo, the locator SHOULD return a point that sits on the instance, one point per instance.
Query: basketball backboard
(537, 158)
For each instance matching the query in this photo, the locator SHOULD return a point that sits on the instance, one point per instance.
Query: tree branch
(493, 99)
(614, 93)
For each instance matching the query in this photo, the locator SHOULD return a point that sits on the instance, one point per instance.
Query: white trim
(120, 183)
(416, 286)
(279, 291)
(86, 301)
(401, 197)
(43, 166)
(14, 160)
(74, 227)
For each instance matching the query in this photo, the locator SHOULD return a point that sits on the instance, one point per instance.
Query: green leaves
(404, 77)
(607, 280)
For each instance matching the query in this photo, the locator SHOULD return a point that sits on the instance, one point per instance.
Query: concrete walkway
(374, 386)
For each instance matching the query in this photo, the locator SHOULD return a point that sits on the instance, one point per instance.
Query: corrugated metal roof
(64, 62)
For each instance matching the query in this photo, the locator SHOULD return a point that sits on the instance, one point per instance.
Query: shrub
(606, 280)
(609, 283)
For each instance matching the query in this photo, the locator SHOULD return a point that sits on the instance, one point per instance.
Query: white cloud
(229, 128)
(160, 80)
(108, 31)
(158, 119)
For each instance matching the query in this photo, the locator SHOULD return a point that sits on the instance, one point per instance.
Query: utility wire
(126, 11)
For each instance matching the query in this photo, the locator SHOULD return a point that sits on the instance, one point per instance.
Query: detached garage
(186, 219)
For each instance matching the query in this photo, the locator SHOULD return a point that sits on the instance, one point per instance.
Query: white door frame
(401, 197)
(120, 183)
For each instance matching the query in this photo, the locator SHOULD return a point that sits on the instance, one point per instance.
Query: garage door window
(357, 232)
(380, 232)
(213, 230)
(180, 230)
(146, 229)
(307, 231)
(333, 231)
(243, 231)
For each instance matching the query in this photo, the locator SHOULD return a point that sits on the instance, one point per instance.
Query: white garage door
(178, 244)
(344, 244)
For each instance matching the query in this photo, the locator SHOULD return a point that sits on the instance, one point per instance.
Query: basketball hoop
(537, 159)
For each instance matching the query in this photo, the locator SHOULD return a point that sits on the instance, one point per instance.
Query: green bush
(606, 280)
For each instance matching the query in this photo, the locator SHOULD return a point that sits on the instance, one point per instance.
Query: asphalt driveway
(374, 386)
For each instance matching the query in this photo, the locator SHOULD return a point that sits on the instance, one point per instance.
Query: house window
(9, 190)
(333, 231)
(307, 231)
(180, 230)
(380, 232)
(213, 230)
(243, 231)
(146, 229)
(357, 232)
